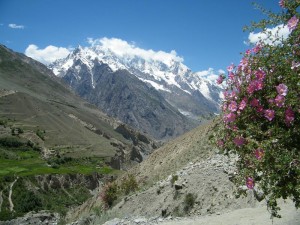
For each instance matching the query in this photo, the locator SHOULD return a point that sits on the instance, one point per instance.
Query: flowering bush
(261, 110)
(109, 194)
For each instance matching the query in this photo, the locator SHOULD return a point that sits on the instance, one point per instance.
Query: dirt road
(248, 216)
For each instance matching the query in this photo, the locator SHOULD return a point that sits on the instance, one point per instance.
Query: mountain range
(158, 96)
(36, 99)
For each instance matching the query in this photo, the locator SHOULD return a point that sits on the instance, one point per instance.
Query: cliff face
(66, 181)
(122, 95)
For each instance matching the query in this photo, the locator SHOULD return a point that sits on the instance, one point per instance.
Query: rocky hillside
(188, 178)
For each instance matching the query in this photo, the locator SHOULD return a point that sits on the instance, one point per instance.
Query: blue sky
(206, 33)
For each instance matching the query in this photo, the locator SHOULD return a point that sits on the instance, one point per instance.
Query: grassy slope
(41, 102)
(61, 130)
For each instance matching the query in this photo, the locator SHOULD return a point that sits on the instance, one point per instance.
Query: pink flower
(226, 94)
(232, 106)
(259, 109)
(258, 85)
(292, 23)
(239, 141)
(229, 117)
(251, 88)
(220, 79)
(255, 85)
(220, 143)
(250, 182)
(233, 95)
(257, 48)
(231, 76)
(260, 74)
(243, 104)
(230, 67)
(279, 100)
(289, 116)
(248, 52)
(271, 101)
(269, 114)
(282, 89)
(244, 62)
(259, 153)
(254, 102)
(224, 107)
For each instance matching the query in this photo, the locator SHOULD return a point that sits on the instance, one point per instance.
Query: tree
(261, 110)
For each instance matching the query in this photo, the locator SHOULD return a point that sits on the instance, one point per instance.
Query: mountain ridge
(37, 99)
(190, 97)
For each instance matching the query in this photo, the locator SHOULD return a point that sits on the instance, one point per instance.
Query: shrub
(129, 184)
(20, 130)
(3, 122)
(261, 111)
(11, 142)
(173, 179)
(27, 201)
(189, 202)
(109, 194)
(41, 134)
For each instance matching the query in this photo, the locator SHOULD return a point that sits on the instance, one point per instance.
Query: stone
(177, 185)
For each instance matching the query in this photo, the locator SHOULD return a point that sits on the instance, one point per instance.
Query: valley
(53, 143)
(142, 160)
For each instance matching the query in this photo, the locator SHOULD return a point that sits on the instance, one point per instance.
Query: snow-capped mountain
(186, 91)
(164, 75)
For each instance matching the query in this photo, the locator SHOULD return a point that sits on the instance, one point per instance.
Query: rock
(160, 220)
(164, 212)
(177, 185)
(115, 221)
(140, 220)
(259, 194)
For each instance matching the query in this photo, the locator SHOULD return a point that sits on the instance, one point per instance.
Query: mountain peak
(192, 94)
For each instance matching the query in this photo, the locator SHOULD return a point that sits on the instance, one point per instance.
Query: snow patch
(155, 85)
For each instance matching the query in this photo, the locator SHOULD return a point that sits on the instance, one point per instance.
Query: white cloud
(46, 55)
(272, 36)
(123, 48)
(210, 74)
(15, 26)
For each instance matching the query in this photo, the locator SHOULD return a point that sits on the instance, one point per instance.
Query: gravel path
(248, 216)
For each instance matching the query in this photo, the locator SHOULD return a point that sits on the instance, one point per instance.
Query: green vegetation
(29, 163)
(189, 202)
(174, 178)
(25, 200)
(11, 142)
(261, 116)
(3, 122)
(22, 157)
(41, 134)
(186, 206)
(109, 194)
(128, 184)
(112, 191)
(21, 161)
